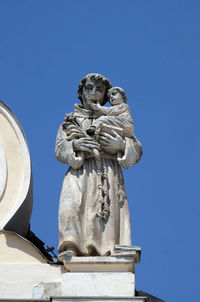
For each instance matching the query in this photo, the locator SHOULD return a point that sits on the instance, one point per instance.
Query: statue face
(115, 97)
(93, 92)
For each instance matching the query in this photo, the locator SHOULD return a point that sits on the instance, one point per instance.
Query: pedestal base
(101, 276)
(98, 284)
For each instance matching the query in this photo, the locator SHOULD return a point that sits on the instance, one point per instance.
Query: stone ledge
(99, 299)
(119, 253)
(133, 252)
(80, 299)
(122, 259)
(98, 264)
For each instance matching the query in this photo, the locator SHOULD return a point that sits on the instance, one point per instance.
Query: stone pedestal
(98, 276)
(101, 276)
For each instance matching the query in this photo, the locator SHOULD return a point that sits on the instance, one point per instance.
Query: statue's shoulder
(65, 123)
(68, 116)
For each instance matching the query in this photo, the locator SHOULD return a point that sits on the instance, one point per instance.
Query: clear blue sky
(151, 49)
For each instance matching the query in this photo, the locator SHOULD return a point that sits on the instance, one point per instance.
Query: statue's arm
(64, 151)
(118, 110)
(132, 152)
(111, 111)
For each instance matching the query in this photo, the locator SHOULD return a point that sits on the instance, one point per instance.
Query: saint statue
(96, 140)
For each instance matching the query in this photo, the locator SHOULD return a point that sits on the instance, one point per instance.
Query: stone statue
(95, 141)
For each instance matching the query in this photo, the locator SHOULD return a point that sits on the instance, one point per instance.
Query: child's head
(116, 96)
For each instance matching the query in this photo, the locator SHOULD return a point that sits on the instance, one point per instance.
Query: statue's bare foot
(70, 252)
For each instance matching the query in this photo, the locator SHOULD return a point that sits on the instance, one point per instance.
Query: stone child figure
(117, 117)
(84, 230)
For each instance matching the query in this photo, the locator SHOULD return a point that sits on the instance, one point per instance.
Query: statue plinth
(98, 264)
(101, 276)
(122, 259)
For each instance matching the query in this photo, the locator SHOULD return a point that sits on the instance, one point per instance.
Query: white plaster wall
(26, 281)
(16, 250)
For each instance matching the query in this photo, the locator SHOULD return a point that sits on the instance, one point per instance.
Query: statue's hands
(85, 144)
(111, 143)
(96, 107)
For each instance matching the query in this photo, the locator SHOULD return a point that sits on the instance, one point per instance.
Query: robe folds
(80, 227)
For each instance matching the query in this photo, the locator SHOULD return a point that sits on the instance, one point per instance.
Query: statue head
(93, 88)
(116, 96)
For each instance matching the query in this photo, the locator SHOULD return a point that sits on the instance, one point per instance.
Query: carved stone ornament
(15, 175)
(96, 141)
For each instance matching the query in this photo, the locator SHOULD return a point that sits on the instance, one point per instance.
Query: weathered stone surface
(46, 290)
(108, 276)
(125, 251)
(98, 284)
(97, 264)
(29, 280)
(95, 141)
